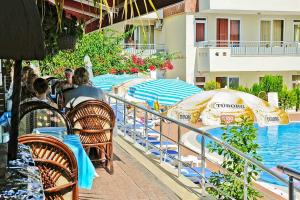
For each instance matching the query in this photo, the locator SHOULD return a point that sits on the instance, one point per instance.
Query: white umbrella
(221, 106)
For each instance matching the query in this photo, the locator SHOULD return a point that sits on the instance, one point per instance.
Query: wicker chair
(41, 114)
(94, 120)
(57, 165)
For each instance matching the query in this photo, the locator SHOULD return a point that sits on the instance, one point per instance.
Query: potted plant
(159, 63)
(71, 30)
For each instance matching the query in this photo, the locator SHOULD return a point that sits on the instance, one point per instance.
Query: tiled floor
(130, 181)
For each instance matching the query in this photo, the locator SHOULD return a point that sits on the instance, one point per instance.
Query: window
(227, 30)
(141, 35)
(222, 81)
(231, 82)
(234, 30)
(271, 30)
(296, 80)
(297, 32)
(200, 81)
(278, 30)
(200, 29)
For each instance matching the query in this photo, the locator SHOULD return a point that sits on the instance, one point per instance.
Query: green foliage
(49, 17)
(243, 137)
(244, 89)
(255, 89)
(211, 85)
(270, 83)
(106, 53)
(296, 92)
(287, 98)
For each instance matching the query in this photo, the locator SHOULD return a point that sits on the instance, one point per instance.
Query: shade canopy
(21, 31)
(88, 11)
(166, 91)
(107, 81)
(225, 106)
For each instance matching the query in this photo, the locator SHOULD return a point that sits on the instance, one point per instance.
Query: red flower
(134, 59)
(113, 71)
(134, 70)
(137, 61)
(167, 65)
(152, 67)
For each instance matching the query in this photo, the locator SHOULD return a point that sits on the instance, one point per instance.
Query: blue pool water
(278, 145)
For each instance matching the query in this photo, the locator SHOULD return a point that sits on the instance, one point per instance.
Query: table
(86, 169)
(23, 178)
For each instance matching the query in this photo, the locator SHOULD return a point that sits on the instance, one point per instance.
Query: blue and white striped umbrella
(167, 91)
(107, 81)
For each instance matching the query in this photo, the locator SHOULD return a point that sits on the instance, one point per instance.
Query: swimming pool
(278, 145)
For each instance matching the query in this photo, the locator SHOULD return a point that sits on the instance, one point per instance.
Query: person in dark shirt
(84, 91)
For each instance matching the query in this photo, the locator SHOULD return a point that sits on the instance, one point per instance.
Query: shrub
(211, 85)
(270, 83)
(243, 137)
(287, 98)
(256, 88)
(296, 92)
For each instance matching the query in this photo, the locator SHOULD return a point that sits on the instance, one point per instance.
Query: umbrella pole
(15, 117)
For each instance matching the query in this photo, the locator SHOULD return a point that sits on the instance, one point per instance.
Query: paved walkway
(130, 181)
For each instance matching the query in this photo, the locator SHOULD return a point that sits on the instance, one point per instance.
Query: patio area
(131, 180)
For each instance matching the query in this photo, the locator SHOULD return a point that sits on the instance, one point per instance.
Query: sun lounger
(194, 173)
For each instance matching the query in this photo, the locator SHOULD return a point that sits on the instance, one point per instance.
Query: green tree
(270, 83)
(256, 88)
(287, 98)
(296, 92)
(211, 85)
(243, 137)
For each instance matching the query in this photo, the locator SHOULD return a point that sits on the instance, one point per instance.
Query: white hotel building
(234, 42)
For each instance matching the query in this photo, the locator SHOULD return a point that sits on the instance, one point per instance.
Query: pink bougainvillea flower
(134, 59)
(134, 70)
(152, 68)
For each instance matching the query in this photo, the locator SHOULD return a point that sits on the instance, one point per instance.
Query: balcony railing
(129, 123)
(144, 49)
(255, 48)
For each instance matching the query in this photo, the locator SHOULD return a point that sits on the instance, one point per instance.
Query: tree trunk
(15, 117)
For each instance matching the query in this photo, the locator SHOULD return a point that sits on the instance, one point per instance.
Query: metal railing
(255, 47)
(293, 174)
(144, 49)
(127, 120)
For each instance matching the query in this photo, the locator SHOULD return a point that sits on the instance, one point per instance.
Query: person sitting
(41, 89)
(28, 76)
(68, 83)
(84, 90)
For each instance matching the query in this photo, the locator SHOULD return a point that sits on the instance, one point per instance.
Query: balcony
(250, 6)
(144, 50)
(137, 135)
(248, 56)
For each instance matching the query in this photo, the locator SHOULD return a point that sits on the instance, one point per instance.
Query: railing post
(124, 118)
(203, 165)
(134, 124)
(117, 110)
(146, 130)
(291, 188)
(246, 180)
(179, 149)
(160, 140)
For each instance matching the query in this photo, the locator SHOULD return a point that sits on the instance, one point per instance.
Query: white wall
(251, 5)
(175, 40)
(247, 79)
(250, 25)
(225, 62)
